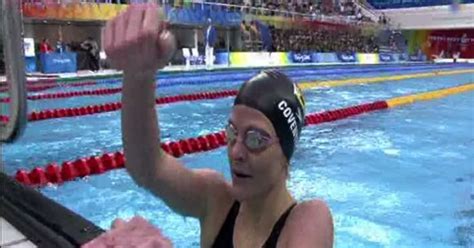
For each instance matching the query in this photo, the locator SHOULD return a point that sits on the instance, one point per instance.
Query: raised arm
(138, 43)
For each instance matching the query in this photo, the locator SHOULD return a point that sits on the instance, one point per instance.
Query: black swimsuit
(225, 237)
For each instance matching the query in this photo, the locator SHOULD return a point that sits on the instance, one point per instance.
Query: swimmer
(256, 208)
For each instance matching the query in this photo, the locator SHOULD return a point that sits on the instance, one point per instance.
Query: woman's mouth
(240, 174)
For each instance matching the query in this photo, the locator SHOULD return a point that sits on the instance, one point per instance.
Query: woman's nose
(237, 150)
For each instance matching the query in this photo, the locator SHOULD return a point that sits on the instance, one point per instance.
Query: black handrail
(43, 221)
(15, 70)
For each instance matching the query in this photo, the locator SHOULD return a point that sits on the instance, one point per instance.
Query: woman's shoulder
(310, 224)
(313, 205)
(311, 212)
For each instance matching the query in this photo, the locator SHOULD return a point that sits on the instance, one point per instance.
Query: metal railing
(262, 11)
(367, 11)
(15, 70)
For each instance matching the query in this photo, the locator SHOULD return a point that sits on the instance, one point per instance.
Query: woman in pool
(256, 209)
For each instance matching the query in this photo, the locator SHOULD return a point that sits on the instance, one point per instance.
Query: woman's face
(256, 159)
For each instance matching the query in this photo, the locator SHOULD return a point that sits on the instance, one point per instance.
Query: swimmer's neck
(266, 209)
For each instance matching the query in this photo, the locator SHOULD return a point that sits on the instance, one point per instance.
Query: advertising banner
(368, 58)
(402, 57)
(221, 59)
(29, 47)
(59, 62)
(258, 58)
(324, 58)
(279, 58)
(347, 57)
(249, 59)
(386, 57)
(417, 57)
(30, 64)
(300, 57)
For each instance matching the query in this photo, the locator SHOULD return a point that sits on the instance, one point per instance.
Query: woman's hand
(137, 233)
(137, 41)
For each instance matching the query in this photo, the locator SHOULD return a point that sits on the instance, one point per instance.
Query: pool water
(400, 177)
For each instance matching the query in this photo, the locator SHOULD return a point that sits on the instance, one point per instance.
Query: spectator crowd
(310, 8)
(282, 40)
(323, 41)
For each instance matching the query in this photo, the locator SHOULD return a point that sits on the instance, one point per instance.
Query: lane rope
(310, 84)
(35, 87)
(426, 96)
(108, 107)
(351, 81)
(96, 92)
(70, 170)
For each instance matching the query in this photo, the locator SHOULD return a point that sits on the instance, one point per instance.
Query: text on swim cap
(290, 117)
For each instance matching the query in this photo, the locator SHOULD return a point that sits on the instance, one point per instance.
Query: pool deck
(29, 219)
(12, 238)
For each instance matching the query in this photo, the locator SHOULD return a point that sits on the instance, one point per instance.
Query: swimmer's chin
(242, 191)
(239, 194)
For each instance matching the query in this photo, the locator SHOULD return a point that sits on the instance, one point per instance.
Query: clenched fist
(137, 41)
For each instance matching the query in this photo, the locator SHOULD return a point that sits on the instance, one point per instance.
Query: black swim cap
(280, 100)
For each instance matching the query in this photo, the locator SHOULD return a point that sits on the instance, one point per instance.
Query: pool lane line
(113, 106)
(69, 94)
(35, 87)
(247, 72)
(314, 73)
(303, 85)
(351, 81)
(109, 107)
(86, 166)
(426, 96)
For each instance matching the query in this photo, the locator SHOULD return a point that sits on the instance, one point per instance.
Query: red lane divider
(82, 167)
(95, 92)
(34, 85)
(44, 81)
(338, 114)
(29, 88)
(71, 170)
(4, 118)
(48, 85)
(108, 107)
(30, 82)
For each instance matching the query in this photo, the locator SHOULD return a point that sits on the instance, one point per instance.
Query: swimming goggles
(254, 140)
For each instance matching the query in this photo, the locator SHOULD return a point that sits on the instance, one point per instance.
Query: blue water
(393, 178)
(185, 84)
